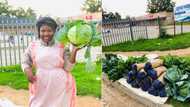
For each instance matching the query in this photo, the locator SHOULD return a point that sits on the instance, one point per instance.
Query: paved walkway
(178, 52)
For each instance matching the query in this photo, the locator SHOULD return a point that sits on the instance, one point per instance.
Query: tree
(6, 10)
(155, 6)
(127, 17)
(104, 15)
(110, 16)
(30, 13)
(20, 12)
(92, 6)
(117, 16)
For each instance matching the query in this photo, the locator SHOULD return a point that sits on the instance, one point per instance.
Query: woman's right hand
(31, 77)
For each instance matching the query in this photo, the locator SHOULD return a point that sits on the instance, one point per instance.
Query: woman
(53, 84)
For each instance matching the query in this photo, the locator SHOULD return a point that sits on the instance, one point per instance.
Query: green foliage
(177, 77)
(133, 60)
(110, 16)
(92, 6)
(177, 83)
(62, 34)
(155, 6)
(113, 66)
(182, 63)
(96, 35)
(170, 43)
(16, 79)
(7, 10)
(176, 103)
(80, 34)
(85, 79)
(14, 68)
(163, 33)
(116, 67)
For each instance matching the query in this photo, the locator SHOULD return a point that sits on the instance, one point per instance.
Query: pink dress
(55, 87)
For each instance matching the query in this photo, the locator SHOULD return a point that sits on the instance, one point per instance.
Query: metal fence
(118, 31)
(15, 35)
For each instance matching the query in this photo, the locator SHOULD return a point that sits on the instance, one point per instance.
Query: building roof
(151, 16)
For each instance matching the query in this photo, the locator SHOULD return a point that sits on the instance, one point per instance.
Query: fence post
(4, 39)
(159, 26)
(131, 30)
(146, 29)
(181, 27)
(174, 26)
(1, 52)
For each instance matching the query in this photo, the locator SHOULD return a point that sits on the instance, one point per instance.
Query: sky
(55, 8)
(66, 8)
(130, 7)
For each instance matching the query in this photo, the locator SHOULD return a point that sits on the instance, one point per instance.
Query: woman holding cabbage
(53, 84)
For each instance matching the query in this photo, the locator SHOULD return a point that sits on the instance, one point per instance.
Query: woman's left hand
(75, 48)
(74, 53)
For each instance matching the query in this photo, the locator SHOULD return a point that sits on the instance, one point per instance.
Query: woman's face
(46, 33)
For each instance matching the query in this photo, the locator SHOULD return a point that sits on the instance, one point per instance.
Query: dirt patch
(20, 97)
(113, 97)
(179, 52)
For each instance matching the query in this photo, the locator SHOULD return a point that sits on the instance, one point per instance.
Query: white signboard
(182, 13)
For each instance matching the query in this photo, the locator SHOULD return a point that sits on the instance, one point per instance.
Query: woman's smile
(46, 33)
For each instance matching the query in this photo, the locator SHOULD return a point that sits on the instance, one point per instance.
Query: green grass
(171, 43)
(15, 80)
(177, 24)
(184, 23)
(86, 81)
(176, 103)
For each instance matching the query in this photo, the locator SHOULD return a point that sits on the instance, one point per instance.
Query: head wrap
(46, 21)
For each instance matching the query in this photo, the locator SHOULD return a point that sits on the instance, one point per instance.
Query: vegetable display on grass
(117, 68)
(113, 66)
(177, 77)
(158, 87)
(81, 34)
(178, 83)
(168, 76)
(146, 75)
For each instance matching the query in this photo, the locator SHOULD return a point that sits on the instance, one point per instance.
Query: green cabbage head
(80, 34)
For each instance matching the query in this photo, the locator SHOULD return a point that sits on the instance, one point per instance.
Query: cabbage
(96, 36)
(96, 40)
(80, 34)
(61, 35)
